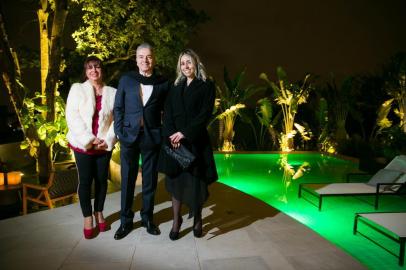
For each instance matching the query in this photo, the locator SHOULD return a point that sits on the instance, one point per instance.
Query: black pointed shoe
(198, 230)
(123, 231)
(173, 235)
(151, 227)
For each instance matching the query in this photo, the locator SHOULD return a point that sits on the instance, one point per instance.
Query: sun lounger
(388, 181)
(392, 225)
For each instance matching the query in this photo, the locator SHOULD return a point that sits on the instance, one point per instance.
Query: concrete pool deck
(240, 232)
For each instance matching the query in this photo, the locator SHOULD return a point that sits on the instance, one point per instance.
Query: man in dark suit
(137, 123)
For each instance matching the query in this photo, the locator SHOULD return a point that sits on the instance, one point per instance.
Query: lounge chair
(388, 181)
(390, 224)
(62, 184)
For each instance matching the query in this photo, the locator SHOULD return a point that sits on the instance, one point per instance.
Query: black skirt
(188, 189)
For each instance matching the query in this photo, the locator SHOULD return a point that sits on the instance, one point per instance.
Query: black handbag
(181, 155)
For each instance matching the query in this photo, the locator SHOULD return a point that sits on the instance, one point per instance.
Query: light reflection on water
(272, 177)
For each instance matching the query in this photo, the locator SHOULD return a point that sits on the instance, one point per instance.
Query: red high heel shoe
(103, 226)
(88, 233)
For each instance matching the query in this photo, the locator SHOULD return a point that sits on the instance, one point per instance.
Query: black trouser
(129, 170)
(92, 167)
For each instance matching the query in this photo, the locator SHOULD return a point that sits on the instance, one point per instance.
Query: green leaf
(265, 111)
(49, 141)
(52, 135)
(264, 77)
(42, 132)
(276, 89)
(252, 90)
(238, 79)
(228, 82)
(41, 108)
(282, 76)
(24, 145)
(33, 151)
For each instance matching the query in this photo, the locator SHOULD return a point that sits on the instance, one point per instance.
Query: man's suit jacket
(129, 110)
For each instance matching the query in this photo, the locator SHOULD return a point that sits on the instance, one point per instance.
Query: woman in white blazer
(89, 115)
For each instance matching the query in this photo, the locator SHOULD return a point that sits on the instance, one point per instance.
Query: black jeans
(92, 167)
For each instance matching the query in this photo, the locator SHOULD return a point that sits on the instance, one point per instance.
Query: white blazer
(80, 107)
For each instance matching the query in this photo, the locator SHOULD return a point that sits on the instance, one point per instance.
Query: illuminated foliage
(230, 99)
(289, 96)
(40, 117)
(49, 132)
(113, 29)
(110, 29)
(398, 92)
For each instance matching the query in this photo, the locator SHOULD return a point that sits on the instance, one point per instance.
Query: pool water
(275, 179)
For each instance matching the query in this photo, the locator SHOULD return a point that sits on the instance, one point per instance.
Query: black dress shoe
(122, 231)
(173, 235)
(151, 227)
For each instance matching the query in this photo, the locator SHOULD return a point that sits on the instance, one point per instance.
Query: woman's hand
(99, 144)
(97, 141)
(102, 146)
(175, 139)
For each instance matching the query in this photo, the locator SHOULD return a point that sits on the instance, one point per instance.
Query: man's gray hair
(145, 45)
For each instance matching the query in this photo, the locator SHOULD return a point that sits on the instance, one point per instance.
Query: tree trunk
(55, 57)
(43, 15)
(10, 71)
(10, 78)
(45, 162)
(402, 108)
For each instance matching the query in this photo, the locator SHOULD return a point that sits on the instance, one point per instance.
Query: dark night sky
(340, 36)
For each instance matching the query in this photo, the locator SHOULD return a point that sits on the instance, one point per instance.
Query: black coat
(188, 109)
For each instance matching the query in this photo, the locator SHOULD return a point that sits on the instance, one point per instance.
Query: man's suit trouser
(129, 169)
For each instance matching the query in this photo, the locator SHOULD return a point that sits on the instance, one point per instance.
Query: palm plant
(398, 103)
(398, 92)
(264, 116)
(231, 98)
(325, 142)
(228, 120)
(382, 120)
(289, 96)
(340, 100)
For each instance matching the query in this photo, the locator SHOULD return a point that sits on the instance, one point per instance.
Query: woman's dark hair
(89, 59)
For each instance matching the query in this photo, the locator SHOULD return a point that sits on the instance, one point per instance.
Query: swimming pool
(275, 178)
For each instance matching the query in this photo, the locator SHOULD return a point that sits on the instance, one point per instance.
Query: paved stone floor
(240, 232)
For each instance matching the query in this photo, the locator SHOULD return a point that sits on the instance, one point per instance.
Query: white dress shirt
(146, 92)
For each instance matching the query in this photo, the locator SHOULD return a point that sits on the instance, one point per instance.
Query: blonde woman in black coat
(188, 110)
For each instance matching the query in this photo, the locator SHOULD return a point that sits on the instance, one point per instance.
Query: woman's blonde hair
(200, 71)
